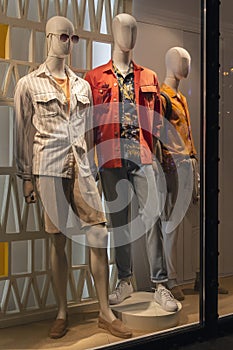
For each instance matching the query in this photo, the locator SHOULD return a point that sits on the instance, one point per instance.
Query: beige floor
(83, 331)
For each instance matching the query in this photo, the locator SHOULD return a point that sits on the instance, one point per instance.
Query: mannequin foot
(107, 315)
(175, 289)
(123, 291)
(116, 327)
(177, 293)
(165, 299)
(108, 321)
(59, 327)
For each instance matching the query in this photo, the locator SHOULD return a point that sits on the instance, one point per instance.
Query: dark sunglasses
(65, 37)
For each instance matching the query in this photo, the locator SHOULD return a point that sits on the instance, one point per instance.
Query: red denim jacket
(105, 93)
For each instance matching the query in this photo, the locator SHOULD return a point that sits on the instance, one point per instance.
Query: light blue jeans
(179, 190)
(121, 186)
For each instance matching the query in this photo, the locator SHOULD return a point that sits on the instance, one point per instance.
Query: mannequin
(47, 102)
(124, 28)
(178, 63)
(124, 150)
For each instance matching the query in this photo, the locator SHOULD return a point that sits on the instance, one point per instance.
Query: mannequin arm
(24, 130)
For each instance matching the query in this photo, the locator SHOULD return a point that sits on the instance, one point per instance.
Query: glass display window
(174, 44)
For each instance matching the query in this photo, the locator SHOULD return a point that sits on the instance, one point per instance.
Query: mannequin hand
(28, 192)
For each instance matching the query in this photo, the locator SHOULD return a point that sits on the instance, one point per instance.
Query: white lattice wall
(26, 291)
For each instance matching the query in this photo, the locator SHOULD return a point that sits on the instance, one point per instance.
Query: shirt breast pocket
(83, 103)
(148, 95)
(102, 93)
(47, 104)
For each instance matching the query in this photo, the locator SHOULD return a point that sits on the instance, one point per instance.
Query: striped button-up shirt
(49, 133)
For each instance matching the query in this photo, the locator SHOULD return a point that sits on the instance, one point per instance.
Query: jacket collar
(108, 67)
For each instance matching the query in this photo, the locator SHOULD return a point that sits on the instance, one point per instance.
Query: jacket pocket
(147, 95)
(102, 93)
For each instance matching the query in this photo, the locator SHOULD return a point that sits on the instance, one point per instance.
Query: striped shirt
(49, 132)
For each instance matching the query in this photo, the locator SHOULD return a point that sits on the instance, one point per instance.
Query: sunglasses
(65, 37)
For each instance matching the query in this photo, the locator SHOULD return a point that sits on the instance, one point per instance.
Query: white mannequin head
(55, 26)
(124, 29)
(178, 62)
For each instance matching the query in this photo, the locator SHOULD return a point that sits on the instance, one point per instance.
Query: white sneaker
(164, 298)
(122, 291)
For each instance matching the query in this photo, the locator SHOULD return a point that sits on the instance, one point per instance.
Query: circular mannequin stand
(141, 312)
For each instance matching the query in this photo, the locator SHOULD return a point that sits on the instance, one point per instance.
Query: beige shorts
(57, 195)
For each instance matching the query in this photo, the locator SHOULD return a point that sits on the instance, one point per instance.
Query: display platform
(140, 312)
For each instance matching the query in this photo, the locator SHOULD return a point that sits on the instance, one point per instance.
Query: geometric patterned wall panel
(25, 40)
(28, 284)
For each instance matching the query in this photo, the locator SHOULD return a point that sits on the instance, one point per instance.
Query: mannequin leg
(116, 188)
(97, 238)
(170, 239)
(99, 270)
(148, 201)
(55, 215)
(99, 267)
(59, 272)
(156, 257)
(170, 249)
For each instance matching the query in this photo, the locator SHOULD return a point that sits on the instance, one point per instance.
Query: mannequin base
(141, 312)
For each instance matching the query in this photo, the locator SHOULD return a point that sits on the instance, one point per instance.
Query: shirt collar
(118, 72)
(109, 66)
(172, 93)
(44, 70)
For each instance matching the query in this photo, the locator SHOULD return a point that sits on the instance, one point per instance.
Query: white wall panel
(152, 43)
